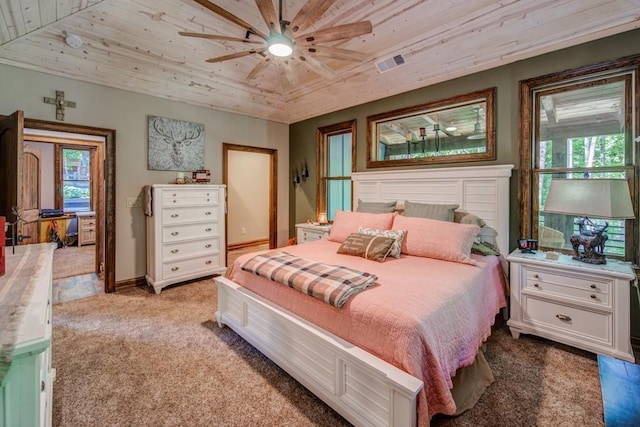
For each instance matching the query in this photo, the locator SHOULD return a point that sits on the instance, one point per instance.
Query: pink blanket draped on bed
(426, 316)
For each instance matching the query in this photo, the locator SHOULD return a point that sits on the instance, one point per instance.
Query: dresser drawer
(179, 233)
(305, 236)
(191, 248)
(189, 266)
(569, 320)
(182, 215)
(585, 288)
(190, 197)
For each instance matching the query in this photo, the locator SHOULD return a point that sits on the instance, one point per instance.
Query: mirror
(457, 129)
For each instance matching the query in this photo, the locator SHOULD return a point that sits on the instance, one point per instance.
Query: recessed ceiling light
(451, 128)
(73, 40)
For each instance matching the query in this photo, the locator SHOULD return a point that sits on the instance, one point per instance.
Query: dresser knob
(207, 246)
(175, 268)
(175, 251)
(208, 262)
(536, 276)
(207, 230)
(563, 317)
(174, 201)
(207, 213)
(593, 286)
(42, 385)
(593, 296)
(208, 200)
(536, 285)
(175, 233)
(174, 194)
(174, 216)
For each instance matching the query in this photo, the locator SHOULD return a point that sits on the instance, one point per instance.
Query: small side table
(309, 232)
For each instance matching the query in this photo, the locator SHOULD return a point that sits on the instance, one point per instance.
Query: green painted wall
(302, 135)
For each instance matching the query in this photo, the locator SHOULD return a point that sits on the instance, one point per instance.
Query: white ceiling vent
(390, 63)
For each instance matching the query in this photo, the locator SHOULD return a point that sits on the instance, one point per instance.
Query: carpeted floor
(136, 358)
(71, 261)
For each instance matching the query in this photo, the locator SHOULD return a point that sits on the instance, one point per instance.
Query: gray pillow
(376, 207)
(430, 210)
(464, 217)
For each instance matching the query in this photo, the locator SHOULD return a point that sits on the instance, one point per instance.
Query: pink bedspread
(427, 317)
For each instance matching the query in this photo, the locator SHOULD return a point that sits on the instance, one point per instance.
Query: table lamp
(601, 198)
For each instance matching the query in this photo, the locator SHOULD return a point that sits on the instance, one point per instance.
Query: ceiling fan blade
(235, 55)
(335, 53)
(230, 17)
(258, 68)
(289, 71)
(317, 66)
(269, 14)
(309, 13)
(217, 37)
(339, 32)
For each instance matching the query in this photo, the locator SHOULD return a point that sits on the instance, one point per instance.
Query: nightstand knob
(174, 215)
(207, 213)
(536, 285)
(208, 262)
(593, 286)
(175, 268)
(593, 296)
(207, 246)
(174, 251)
(563, 317)
(536, 276)
(175, 233)
(207, 230)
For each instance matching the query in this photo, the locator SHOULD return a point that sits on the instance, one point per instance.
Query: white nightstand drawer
(192, 231)
(183, 215)
(190, 197)
(571, 320)
(186, 249)
(189, 266)
(569, 280)
(309, 236)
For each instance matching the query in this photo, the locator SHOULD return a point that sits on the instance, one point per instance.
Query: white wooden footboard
(364, 389)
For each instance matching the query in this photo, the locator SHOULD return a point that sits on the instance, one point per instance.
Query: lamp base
(589, 248)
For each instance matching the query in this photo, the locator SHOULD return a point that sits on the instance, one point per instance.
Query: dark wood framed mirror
(456, 129)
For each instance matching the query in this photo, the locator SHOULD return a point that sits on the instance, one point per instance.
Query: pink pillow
(349, 222)
(431, 238)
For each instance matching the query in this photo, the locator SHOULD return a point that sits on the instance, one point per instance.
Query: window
(336, 161)
(74, 193)
(577, 124)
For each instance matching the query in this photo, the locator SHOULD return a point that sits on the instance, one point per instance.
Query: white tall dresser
(185, 233)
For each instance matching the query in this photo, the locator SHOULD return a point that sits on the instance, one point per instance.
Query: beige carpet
(71, 261)
(136, 358)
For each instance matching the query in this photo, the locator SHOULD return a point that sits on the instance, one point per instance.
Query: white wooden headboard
(480, 190)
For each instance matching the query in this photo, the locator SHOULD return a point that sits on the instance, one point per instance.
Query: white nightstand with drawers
(579, 304)
(309, 232)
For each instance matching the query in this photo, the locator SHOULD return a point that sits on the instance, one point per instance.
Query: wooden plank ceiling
(134, 45)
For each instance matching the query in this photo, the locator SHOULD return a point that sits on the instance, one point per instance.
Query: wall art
(175, 145)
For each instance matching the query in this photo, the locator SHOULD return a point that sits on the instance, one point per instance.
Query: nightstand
(579, 304)
(86, 228)
(309, 232)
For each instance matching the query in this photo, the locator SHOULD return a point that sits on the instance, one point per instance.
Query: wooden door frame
(106, 226)
(273, 187)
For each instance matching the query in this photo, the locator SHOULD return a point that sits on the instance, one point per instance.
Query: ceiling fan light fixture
(280, 46)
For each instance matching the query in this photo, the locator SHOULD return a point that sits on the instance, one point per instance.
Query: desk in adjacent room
(45, 227)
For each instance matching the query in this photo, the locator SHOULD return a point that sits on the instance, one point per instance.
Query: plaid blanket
(332, 284)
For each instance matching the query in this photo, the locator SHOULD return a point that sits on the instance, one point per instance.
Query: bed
(365, 383)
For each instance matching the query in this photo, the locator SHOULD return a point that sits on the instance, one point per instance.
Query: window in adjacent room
(578, 124)
(74, 194)
(336, 161)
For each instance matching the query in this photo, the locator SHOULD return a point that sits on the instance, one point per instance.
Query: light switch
(134, 202)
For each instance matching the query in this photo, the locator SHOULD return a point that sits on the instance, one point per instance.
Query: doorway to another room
(251, 179)
(71, 199)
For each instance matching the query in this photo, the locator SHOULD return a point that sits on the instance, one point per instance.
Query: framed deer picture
(175, 145)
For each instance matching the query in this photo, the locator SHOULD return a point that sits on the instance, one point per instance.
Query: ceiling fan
(289, 40)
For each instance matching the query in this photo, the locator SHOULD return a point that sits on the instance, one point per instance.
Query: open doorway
(251, 179)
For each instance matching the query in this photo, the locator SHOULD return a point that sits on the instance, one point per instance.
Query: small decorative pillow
(398, 235)
(430, 210)
(376, 207)
(437, 239)
(375, 248)
(346, 223)
(464, 217)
